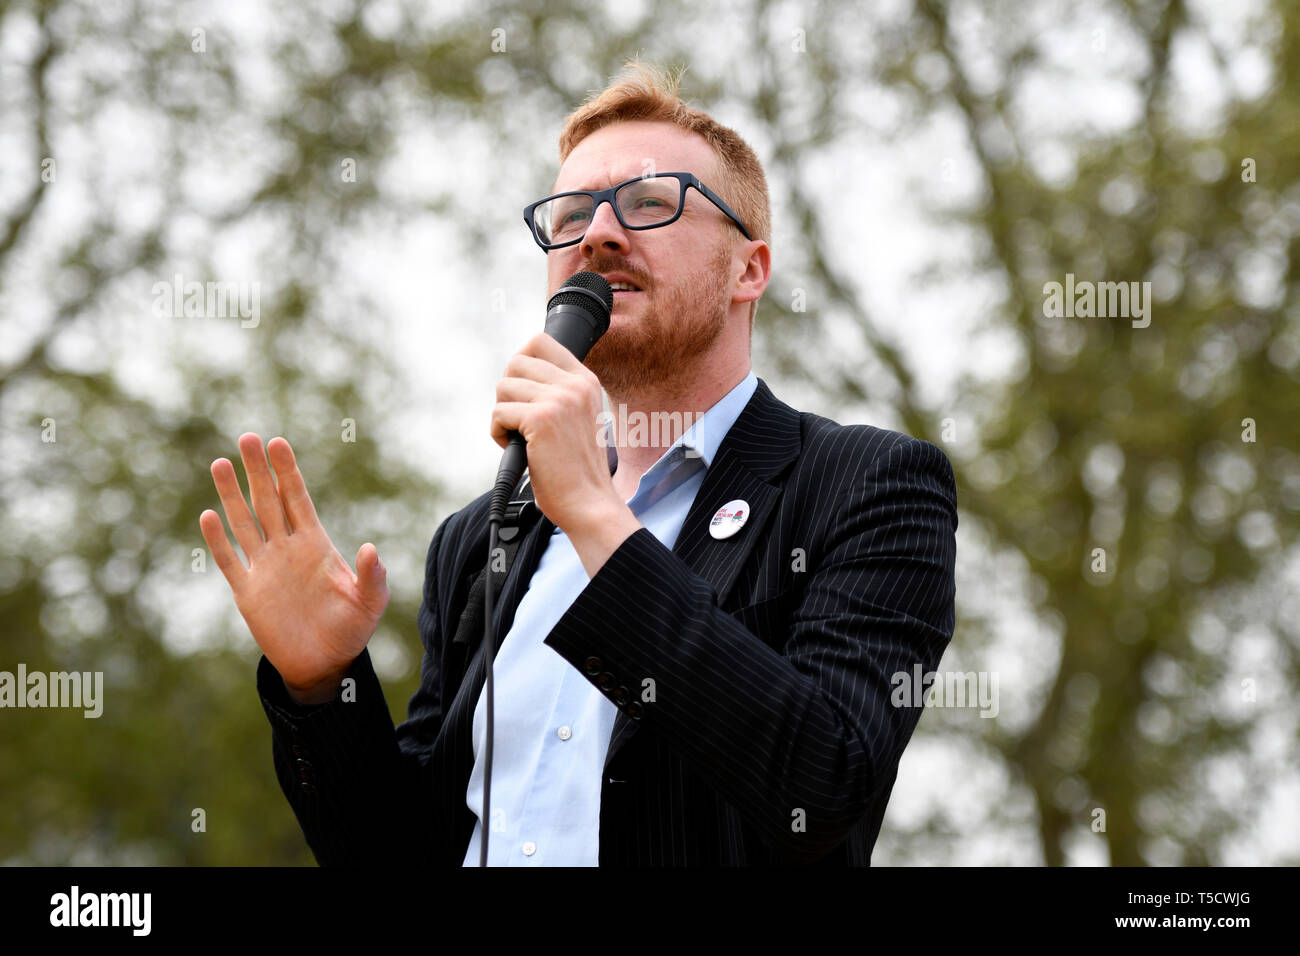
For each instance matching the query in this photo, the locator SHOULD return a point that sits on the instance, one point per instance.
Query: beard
(676, 327)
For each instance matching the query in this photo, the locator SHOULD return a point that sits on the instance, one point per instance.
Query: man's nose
(604, 231)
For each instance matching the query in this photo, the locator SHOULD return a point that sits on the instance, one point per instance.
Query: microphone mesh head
(589, 282)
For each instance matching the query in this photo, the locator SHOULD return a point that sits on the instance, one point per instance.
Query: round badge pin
(729, 519)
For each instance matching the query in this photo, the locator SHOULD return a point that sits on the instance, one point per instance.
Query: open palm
(307, 610)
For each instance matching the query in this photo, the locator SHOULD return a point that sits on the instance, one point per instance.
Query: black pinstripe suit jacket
(771, 737)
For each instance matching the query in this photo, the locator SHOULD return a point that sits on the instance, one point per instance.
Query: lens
(563, 218)
(649, 202)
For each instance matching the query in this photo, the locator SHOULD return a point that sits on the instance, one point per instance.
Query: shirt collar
(702, 440)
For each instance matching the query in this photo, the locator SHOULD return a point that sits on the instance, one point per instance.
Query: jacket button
(634, 710)
(592, 664)
(606, 681)
(298, 751)
(308, 790)
(622, 695)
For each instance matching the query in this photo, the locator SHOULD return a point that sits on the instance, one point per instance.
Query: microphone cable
(576, 316)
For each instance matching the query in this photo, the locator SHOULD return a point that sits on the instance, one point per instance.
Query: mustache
(610, 265)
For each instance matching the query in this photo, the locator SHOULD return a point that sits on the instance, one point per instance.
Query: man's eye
(574, 217)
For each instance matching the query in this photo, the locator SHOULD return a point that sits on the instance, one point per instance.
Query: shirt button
(530, 848)
(564, 733)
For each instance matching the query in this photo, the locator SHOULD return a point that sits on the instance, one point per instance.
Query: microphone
(576, 316)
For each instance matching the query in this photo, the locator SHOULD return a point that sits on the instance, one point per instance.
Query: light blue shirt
(552, 726)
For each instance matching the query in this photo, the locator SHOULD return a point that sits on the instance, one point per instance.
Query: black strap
(521, 513)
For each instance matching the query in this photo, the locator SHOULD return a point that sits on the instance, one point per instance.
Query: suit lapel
(762, 442)
(760, 445)
(521, 574)
(460, 716)
(716, 560)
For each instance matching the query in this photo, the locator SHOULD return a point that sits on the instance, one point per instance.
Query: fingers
(261, 486)
(222, 551)
(297, 502)
(540, 401)
(520, 390)
(543, 359)
(506, 418)
(523, 364)
(232, 500)
(542, 368)
(547, 348)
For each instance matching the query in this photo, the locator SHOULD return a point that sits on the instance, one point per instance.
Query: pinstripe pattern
(771, 678)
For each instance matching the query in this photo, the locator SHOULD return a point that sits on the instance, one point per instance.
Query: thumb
(371, 573)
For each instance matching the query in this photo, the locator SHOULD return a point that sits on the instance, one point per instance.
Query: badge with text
(729, 519)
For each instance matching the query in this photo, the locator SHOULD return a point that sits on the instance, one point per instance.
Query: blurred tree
(1165, 450)
(271, 149)
(102, 565)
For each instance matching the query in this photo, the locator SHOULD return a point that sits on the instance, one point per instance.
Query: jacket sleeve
(810, 727)
(358, 786)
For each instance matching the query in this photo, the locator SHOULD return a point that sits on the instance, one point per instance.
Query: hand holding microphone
(548, 398)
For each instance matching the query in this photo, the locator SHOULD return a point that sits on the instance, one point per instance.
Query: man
(697, 639)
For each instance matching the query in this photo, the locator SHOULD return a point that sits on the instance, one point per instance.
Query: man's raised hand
(305, 608)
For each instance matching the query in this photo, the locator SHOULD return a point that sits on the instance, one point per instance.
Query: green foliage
(1104, 435)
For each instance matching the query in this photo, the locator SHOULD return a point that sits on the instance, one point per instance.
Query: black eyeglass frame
(599, 196)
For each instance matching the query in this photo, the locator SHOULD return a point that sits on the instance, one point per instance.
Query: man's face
(682, 271)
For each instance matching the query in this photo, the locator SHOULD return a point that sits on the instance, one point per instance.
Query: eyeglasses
(646, 202)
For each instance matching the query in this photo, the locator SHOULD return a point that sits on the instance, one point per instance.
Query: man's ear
(755, 258)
